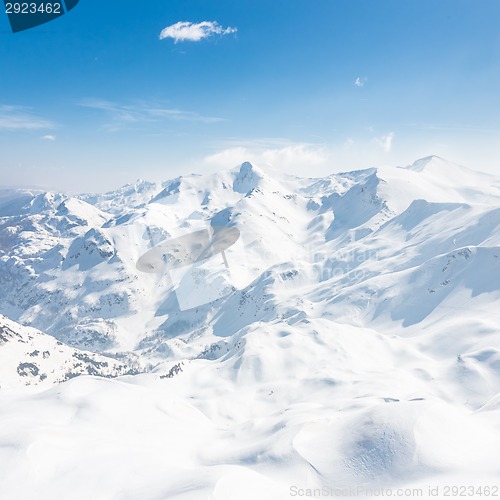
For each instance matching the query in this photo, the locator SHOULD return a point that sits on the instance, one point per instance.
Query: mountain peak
(247, 178)
(432, 161)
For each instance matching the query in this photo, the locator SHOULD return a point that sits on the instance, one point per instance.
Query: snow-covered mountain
(350, 336)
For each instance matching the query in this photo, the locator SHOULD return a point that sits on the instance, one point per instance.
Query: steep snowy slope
(29, 357)
(437, 180)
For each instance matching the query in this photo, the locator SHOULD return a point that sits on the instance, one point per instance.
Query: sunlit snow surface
(356, 345)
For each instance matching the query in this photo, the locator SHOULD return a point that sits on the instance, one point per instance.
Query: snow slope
(356, 342)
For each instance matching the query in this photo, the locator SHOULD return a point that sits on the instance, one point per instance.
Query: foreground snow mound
(150, 439)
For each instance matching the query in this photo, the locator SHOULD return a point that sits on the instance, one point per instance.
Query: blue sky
(96, 99)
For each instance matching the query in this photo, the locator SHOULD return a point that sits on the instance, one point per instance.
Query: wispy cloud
(122, 115)
(50, 138)
(21, 118)
(360, 81)
(385, 142)
(185, 31)
(349, 143)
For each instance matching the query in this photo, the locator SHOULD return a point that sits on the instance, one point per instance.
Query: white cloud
(294, 157)
(194, 32)
(385, 142)
(126, 114)
(360, 81)
(49, 137)
(21, 118)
